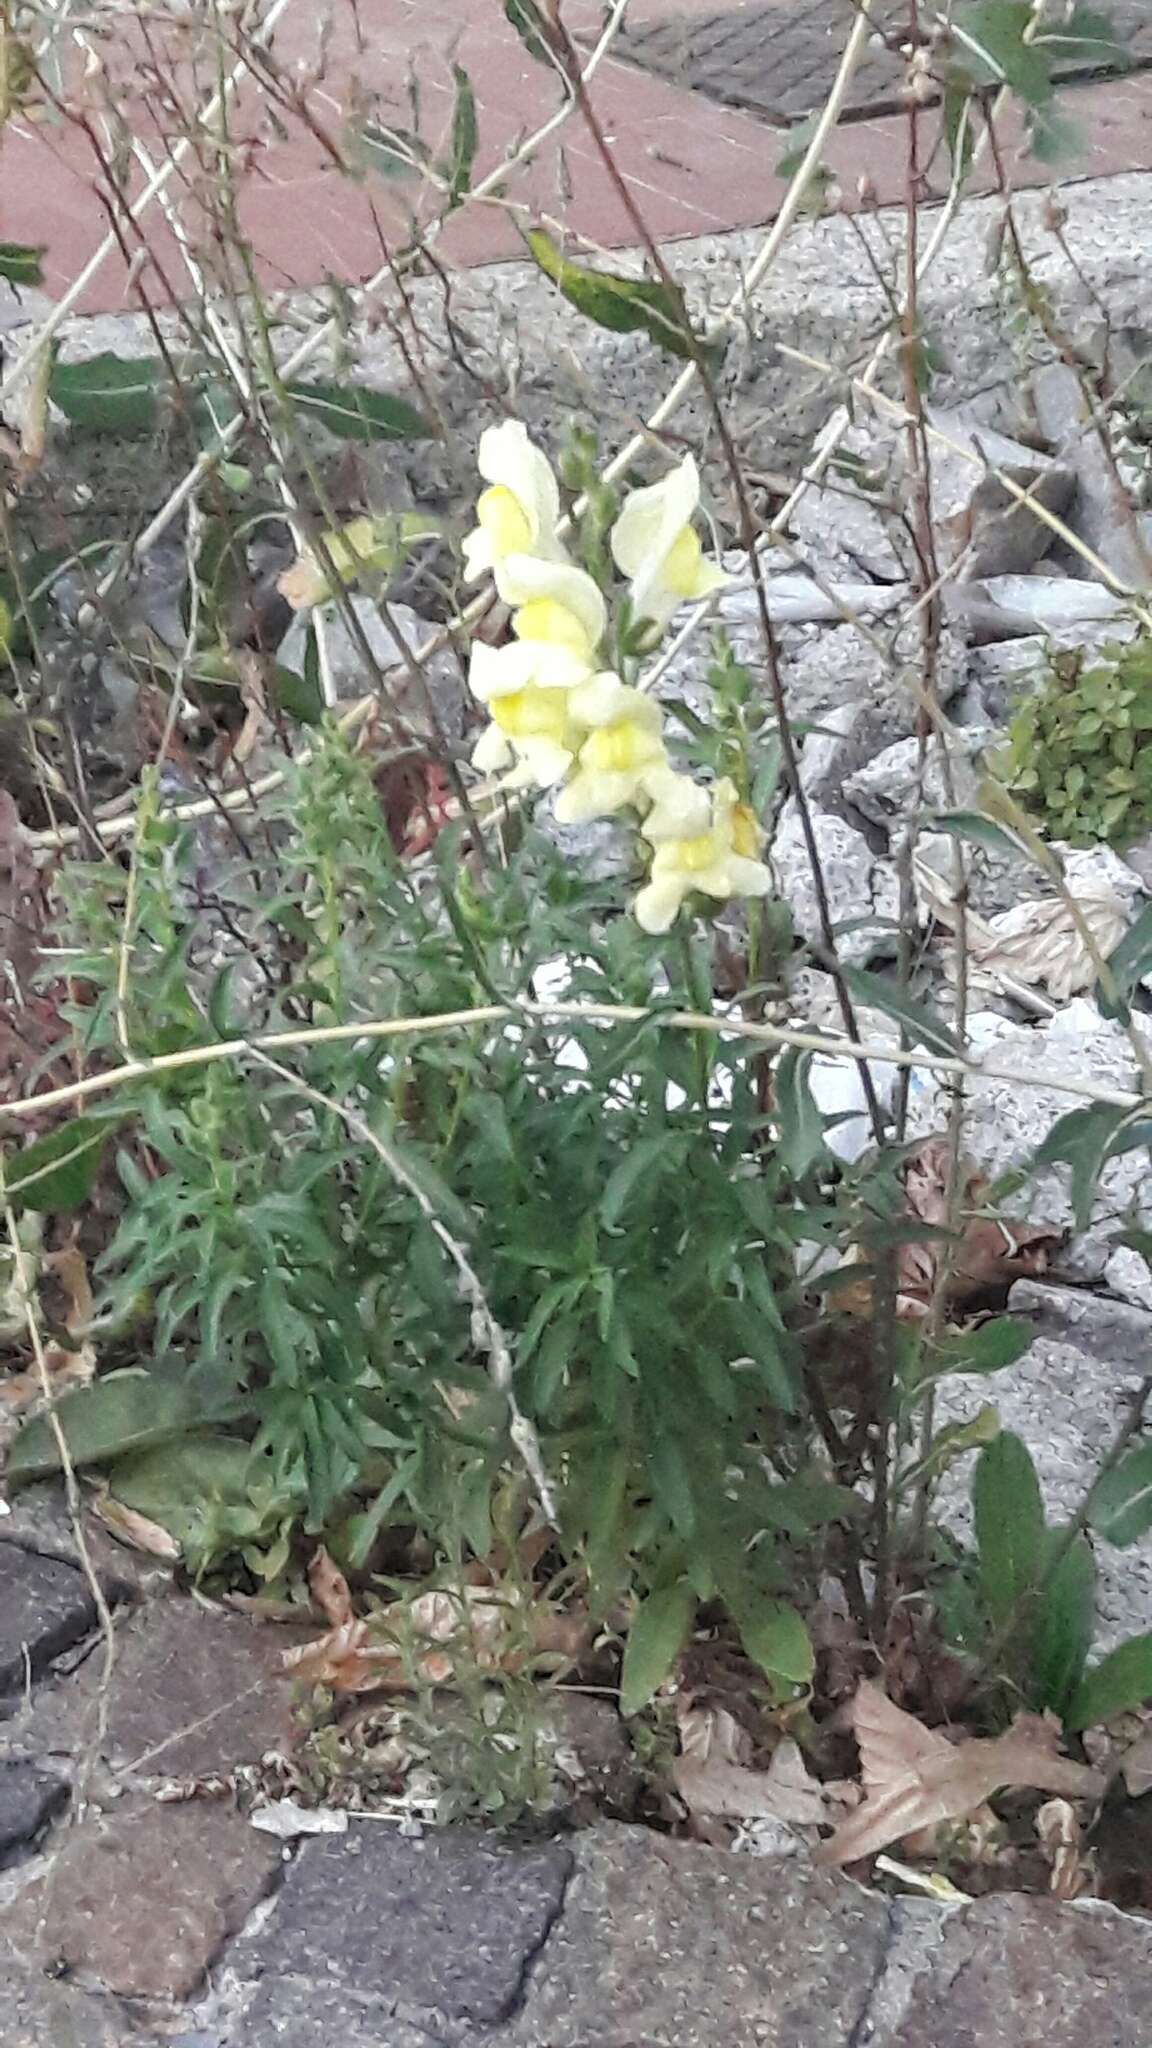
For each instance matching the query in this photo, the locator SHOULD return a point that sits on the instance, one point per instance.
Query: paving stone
(1013, 1972)
(194, 1692)
(27, 1800)
(45, 1607)
(430, 1933)
(673, 1945)
(780, 60)
(144, 1896)
(38, 2011)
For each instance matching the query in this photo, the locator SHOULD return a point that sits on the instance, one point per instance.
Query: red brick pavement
(693, 165)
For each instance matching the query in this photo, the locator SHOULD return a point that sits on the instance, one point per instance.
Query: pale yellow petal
(522, 579)
(499, 671)
(507, 457)
(492, 751)
(657, 906)
(652, 517)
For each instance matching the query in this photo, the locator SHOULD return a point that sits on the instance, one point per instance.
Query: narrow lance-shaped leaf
(352, 413)
(800, 1140)
(57, 1171)
(624, 305)
(1083, 1140)
(921, 1024)
(530, 25)
(660, 1628)
(1064, 1624)
(1121, 1506)
(464, 138)
(1008, 1513)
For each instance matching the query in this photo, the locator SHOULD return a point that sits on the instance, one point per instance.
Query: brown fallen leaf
(984, 1253)
(137, 1531)
(66, 1365)
(786, 1791)
(914, 1778)
(329, 1589)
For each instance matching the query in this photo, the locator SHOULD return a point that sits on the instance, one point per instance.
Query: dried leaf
(1058, 1832)
(329, 1589)
(712, 1734)
(719, 1790)
(138, 1532)
(1136, 1767)
(67, 1365)
(915, 1778)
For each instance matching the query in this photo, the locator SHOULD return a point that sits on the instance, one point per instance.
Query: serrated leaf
(1008, 1515)
(800, 1125)
(530, 25)
(109, 394)
(921, 1024)
(1083, 1140)
(126, 1412)
(57, 1172)
(20, 264)
(1121, 1506)
(351, 412)
(1064, 1626)
(624, 305)
(1119, 1684)
(660, 1629)
(464, 139)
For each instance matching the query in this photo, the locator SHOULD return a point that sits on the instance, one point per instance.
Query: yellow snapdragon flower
(532, 741)
(559, 621)
(622, 754)
(519, 512)
(655, 545)
(719, 861)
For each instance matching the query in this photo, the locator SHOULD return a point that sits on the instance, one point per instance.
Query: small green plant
(1078, 751)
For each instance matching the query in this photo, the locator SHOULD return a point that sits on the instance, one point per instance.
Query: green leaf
(1082, 1140)
(57, 1172)
(1064, 1626)
(633, 1168)
(353, 413)
(1008, 1513)
(954, 1441)
(464, 139)
(660, 1628)
(20, 264)
(624, 305)
(1127, 966)
(921, 1024)
(775, 1638)
(990, 42)
(1121, 1506)
(532, 29)
(198, 1487)
(989, 1347)
(800, 1141)
(1117, 1685)
(126, 1412)
(984, 831)
(109, 394)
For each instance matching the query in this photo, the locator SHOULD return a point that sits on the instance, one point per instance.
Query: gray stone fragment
(1007, 1121)
(891, 787)
(1103, 513)
(1015, 1972)
(982, 528)
(863, 898)
(430, 1931)
(40, 2011)
(847, 738)
(45, 1607)
(1109, 1331)
(28, 1799)
(352, 676)
(673, 1945)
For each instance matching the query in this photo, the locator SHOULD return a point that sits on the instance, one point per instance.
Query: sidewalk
(695, 165)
